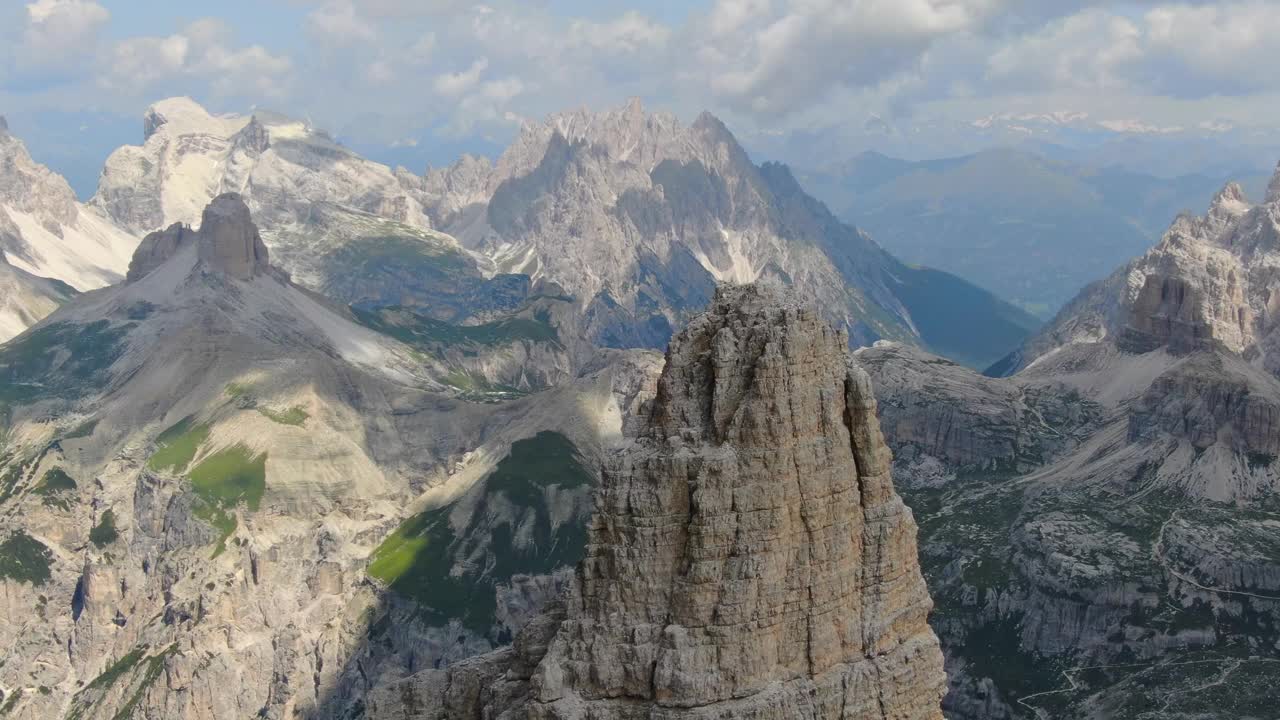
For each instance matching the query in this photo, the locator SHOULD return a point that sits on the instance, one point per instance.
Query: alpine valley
(287, 433)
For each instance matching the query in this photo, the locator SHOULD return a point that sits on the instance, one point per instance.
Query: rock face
(26, 298)
(280, 165)
(631, 215)
(1118, 547)
(158, 247)
(1209, 282)
(47, 233)
(749, 552)
(229, 240)
(938, 411)
(748, 557)
(348, 228)
(638, 216)
(310, 196)
(196, 467)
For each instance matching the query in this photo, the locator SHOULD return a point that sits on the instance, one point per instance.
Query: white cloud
(137, 63)
(1090, 50)
(772, 61)
(1226, 48)
(729, 15)
(422, 49)
(201, 51)
(761, 64)
(60, 33)
(1182, 50)
(457, 83)
(486, 107)
(338, 22)
(628, 33)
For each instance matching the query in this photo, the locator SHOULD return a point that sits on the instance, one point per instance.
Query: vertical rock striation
(227, 241)
(748, 557)
(230, 240)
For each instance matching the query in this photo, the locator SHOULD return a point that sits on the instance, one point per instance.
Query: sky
(422, 80)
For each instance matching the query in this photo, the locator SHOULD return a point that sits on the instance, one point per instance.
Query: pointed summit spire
(1229, 202)
(1273, 188)
(229, 241)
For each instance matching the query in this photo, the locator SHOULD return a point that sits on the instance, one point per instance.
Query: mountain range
(330, 423)
(1097, 525)
(1031, 229)
(335, 440)
(631, 215)
(1215, 148)
(51, 246)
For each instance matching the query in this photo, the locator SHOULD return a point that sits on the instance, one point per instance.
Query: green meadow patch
(104, 533)
(421, 331)
(54, 487)
(221, 482)
(178, 446)
(25, 559)
(229, 476)
(83, 430)
(417, 559)
(294, 416)
(59, 360)
(136, 668)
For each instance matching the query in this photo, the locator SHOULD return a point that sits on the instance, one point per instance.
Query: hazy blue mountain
(1033, 230)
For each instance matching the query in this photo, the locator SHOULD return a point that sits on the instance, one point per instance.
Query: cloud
(338, 23)
(59, 35)
(771, 60)
(1180, 50)
(454, 84)
(202, 51)
(486, 107)
(1220, 49)
(1088, 51)
(630, 32)
(761, 64)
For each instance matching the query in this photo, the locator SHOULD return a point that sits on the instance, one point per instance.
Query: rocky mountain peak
(1273, 187)
(229, 241)
(151, 122)
(29, 187)
(758, 400)
(1208, 282)
(709, 123)
(1229, 202)
(4, 125)
(182, 113)
(156, 248)
(748, 558)
(255, 137)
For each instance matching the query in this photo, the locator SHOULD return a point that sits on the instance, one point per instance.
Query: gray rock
(228, 240)
(748, 557)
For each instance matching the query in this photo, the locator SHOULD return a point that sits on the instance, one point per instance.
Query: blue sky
(421, 80)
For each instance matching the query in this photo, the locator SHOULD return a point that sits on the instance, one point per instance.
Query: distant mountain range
(631, 217)
(1033, 230)
(1214, 148)
(336, 423)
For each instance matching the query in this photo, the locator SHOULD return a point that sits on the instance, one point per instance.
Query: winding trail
(1158, 554)
(1229, 666)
